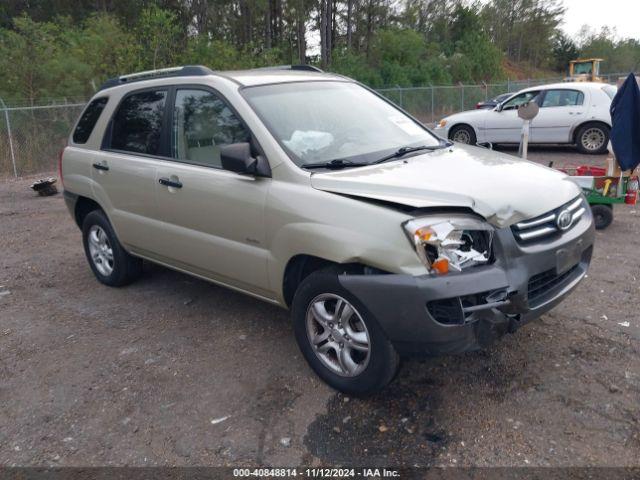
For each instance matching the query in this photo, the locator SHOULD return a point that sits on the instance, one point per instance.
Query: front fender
(338, 245)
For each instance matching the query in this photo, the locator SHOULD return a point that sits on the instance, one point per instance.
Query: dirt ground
(176, 371)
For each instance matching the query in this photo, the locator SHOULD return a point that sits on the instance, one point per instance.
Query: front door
(213, 218)
(504, 125)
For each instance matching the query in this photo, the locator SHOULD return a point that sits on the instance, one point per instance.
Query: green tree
(159, 36)
(27, 53)
(620, 55)
(67, 48)
(106, 47)
(524, 29)
(564, 50)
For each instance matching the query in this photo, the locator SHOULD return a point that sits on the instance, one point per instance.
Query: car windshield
(325, 121)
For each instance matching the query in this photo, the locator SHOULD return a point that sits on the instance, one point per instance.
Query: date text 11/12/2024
(316, 472)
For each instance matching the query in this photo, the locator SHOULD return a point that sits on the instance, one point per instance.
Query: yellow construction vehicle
(584, 70)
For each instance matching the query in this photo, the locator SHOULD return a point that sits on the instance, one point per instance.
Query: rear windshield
(610, 90)
(88, 120)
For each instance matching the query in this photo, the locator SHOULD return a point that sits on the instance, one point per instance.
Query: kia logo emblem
(565, 218)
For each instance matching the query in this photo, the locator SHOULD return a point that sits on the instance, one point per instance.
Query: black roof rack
(304, 68)
(308, 68)
(184, 71)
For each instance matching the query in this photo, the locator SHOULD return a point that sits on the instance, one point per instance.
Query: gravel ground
(175, 371)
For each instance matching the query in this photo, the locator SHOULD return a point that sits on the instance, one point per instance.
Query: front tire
(339, 338)
(110, 263)
(463, 134)
(592, 138)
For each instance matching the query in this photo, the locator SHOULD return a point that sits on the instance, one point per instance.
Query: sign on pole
(527, 112)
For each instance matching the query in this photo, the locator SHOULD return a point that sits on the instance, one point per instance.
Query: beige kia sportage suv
(312, 192)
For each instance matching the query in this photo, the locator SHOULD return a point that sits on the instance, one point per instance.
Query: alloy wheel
(592, 139)
(100, 250)
(338, 335)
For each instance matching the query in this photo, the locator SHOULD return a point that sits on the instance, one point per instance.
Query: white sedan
(570, 113)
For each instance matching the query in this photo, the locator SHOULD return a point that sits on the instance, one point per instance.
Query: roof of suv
(260, 76)
(257, 76)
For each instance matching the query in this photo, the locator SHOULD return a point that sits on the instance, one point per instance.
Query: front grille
(460, 310)
(543, 283)
(551, 223)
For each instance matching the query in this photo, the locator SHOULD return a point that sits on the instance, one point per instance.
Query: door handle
(170, 183)
(101, 166)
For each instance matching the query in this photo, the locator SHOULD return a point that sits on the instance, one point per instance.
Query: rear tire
(592, 138)
(463, 134)
(108, 260)
(333, 329)
(602, 216)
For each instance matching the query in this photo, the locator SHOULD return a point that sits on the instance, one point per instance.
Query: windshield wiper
(334, 164)
(342, 163)
(401, 152)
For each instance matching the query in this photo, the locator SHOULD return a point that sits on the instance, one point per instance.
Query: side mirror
(236, 157)
(499, 107)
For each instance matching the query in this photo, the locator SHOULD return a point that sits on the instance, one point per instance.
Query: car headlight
(451, 243)
(442, 123)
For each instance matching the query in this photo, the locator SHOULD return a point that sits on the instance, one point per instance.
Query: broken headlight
(451, 243)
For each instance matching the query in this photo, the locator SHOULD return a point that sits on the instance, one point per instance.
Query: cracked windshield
(334, 120)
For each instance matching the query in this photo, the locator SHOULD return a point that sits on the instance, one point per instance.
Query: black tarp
(625, 124)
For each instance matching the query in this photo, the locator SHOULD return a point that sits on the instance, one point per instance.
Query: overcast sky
(624, 15)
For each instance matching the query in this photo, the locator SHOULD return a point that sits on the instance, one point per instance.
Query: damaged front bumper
(466, 311)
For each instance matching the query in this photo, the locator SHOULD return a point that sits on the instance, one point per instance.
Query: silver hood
(502, 188)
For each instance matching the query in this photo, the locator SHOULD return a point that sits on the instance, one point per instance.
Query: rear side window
(88, 120)
(563, 98)
(138, 122)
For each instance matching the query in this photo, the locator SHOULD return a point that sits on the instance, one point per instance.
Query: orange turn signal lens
(441, 266)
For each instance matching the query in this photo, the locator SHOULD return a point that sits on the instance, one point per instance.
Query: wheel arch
(573, 135)
(83, 207)
(301, 266)
(462, 124)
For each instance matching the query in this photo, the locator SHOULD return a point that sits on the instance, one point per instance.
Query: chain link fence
(31, 137)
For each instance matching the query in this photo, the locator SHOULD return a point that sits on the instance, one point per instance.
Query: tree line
(66, 48)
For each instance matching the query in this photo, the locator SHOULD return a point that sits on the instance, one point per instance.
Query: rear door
(504, 126)
(124, 170)
(213, 218)
(560, 110)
